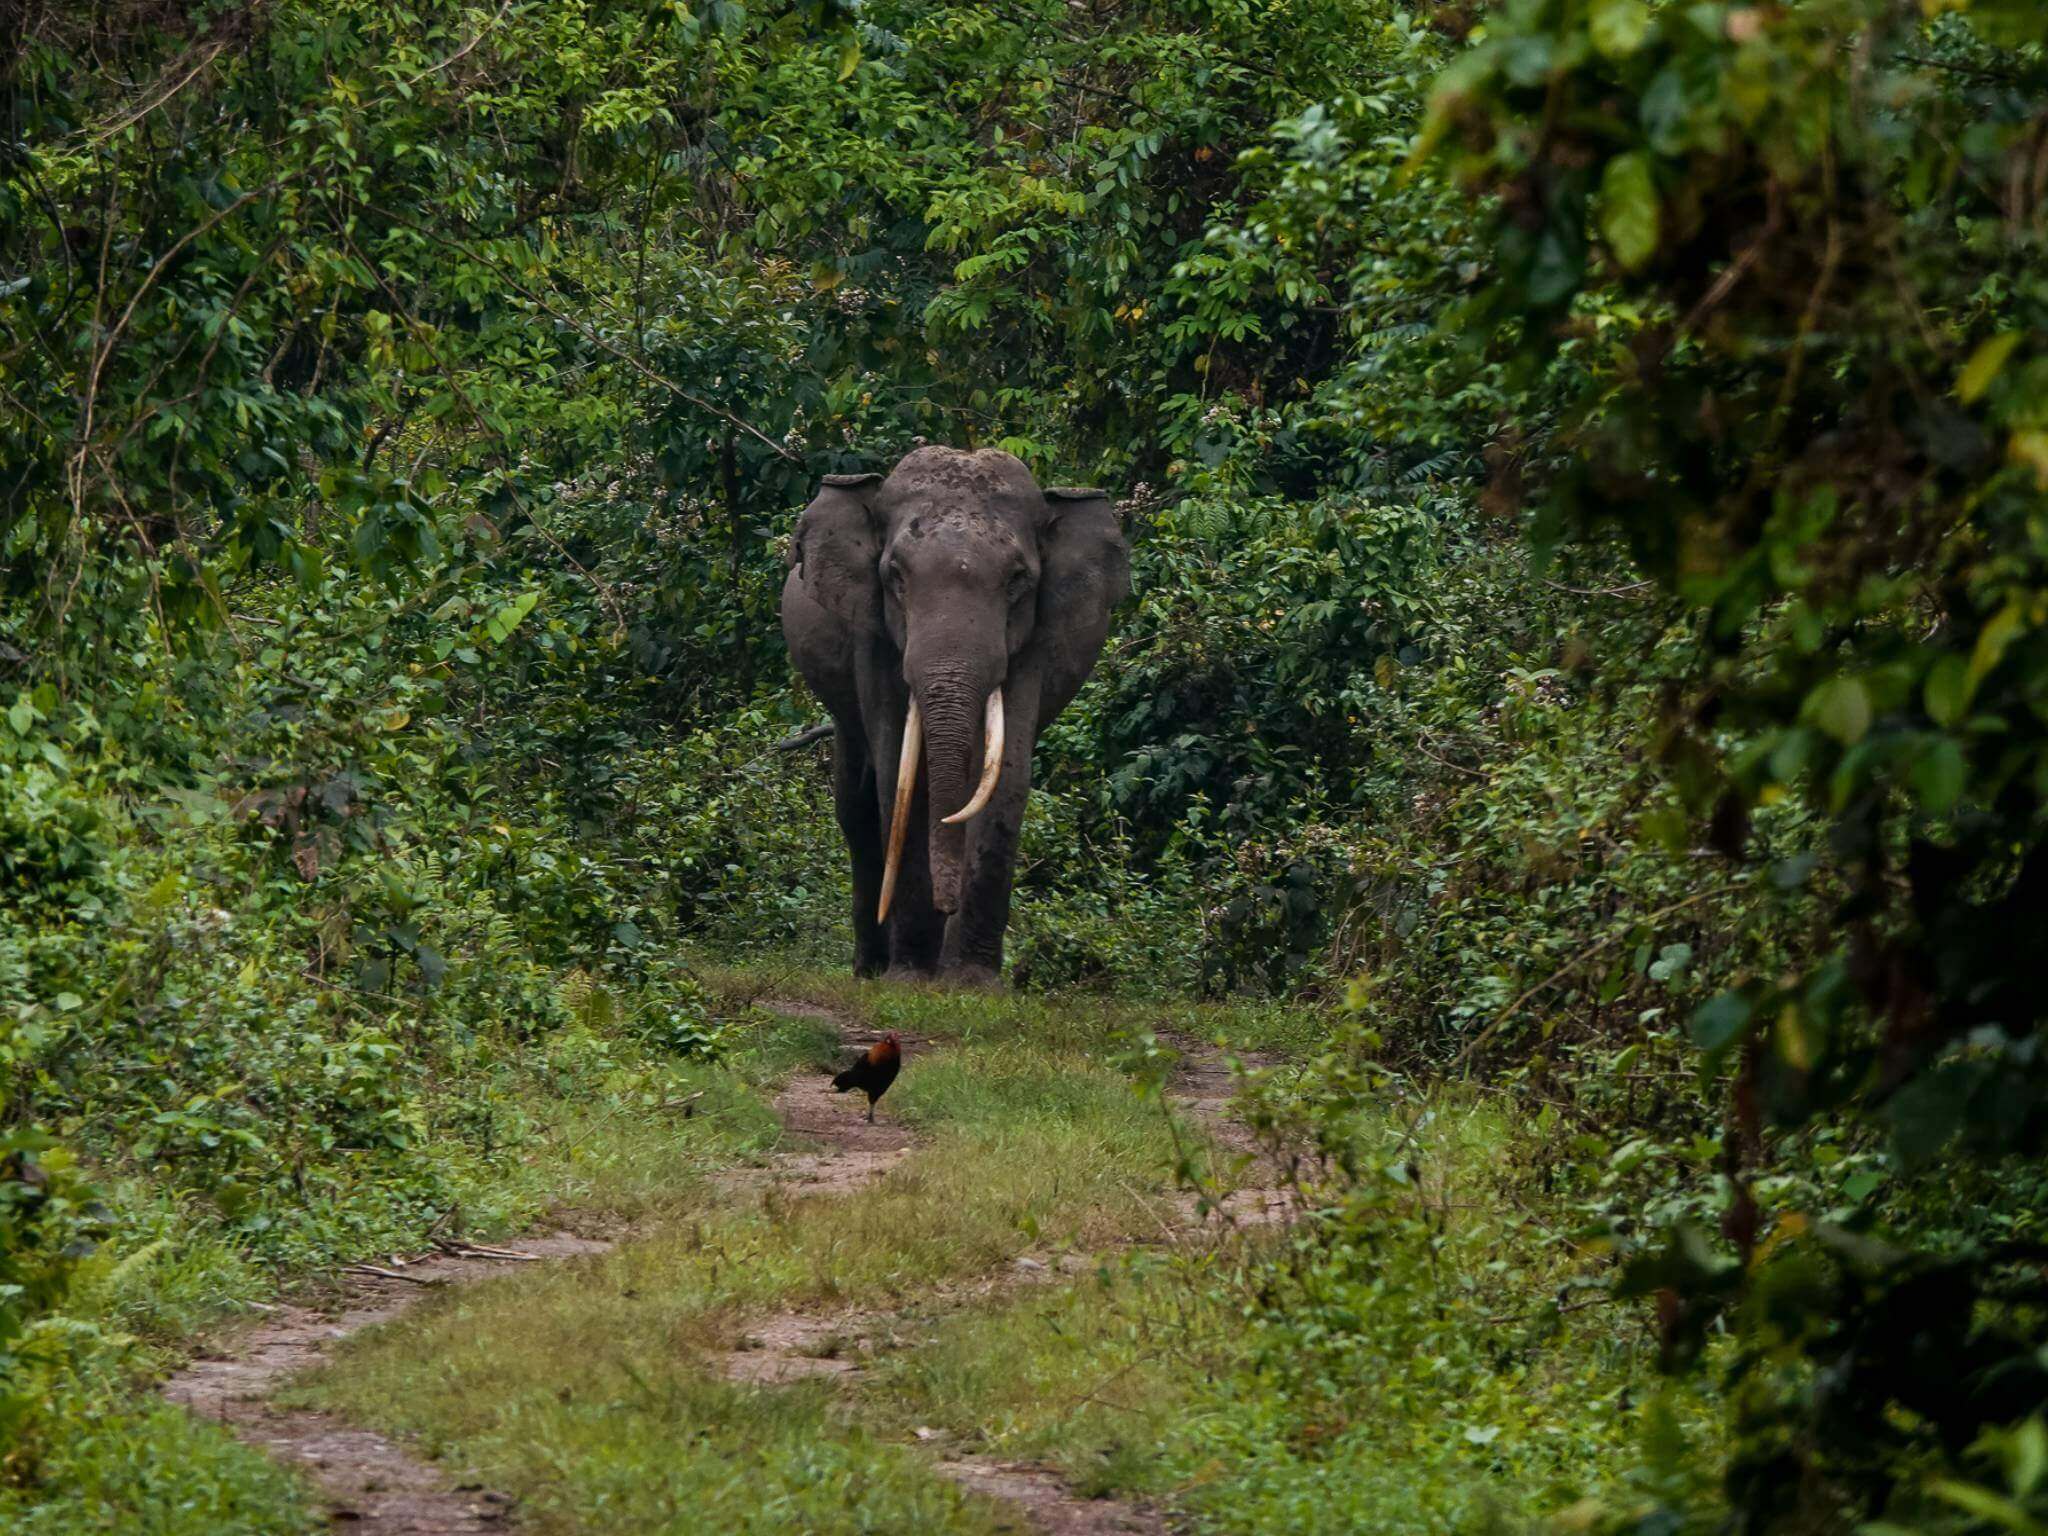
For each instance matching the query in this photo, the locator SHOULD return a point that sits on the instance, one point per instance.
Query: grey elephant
(944, 615)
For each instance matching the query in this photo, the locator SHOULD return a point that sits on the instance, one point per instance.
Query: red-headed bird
(874, 1071)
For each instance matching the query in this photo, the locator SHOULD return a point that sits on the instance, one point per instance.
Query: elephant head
(988, 597)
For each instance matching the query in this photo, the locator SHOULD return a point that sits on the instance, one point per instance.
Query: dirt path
(1204, 1086)
(369, 1481)
(380, 1488)
(1047, 1505)
(795, 1346)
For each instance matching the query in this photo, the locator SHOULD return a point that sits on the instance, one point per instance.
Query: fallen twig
(1562, 1308)
(461, 1250)
(393, 1274)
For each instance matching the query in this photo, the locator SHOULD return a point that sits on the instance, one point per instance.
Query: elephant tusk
(991, 764)
(899, 815)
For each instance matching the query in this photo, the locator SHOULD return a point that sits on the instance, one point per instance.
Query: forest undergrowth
(1581, 716)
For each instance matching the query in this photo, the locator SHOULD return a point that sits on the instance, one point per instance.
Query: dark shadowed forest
(1523, 996)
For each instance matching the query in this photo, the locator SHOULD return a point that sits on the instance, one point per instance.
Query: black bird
(874, 1071)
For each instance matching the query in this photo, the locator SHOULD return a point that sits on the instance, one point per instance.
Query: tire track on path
(797, 1345)
(378, 1486)
(375, 1483)
(369, 1480)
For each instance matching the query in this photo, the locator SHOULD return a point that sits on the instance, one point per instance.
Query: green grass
(1039, 1150)
(576, 1132)
(1069, 1020)
(1423, 1385)
(1419, 1384)
(1416, 1381)
(85, 1454)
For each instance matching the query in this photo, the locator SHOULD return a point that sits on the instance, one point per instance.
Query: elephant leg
(853, 797)
(917, 929)
(973, 953)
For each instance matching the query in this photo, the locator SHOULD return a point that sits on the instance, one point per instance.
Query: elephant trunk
(949, 739)
(992, 727)
(949, 755)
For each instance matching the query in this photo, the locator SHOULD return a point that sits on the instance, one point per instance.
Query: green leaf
(1671, 962)
(1998, 633)
(1928, 1113)
(1558, 264)
(2029, 450)
(849, 56)
(1841, 707)
(2027, 1456)
(1986, 1505)
(1947, 690)
(1720, 1022)
(509, 617)
(1618, 27)
(1861, 1186)
(1631, 220)
(1938, 775)
(1983, 367)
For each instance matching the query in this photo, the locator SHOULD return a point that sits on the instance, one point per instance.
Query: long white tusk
(991, 764)
(899, 816)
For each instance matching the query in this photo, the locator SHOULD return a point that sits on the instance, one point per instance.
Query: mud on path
(842, 1150)
(369, 1481)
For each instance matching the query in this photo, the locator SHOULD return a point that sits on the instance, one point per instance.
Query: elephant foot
(906, 974)
(972, 977)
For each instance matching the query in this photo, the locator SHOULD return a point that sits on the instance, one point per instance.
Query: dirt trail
(369, 1481)
(1047, 1504)
(1203, 1085)
(380, 1488)
(794, 1346)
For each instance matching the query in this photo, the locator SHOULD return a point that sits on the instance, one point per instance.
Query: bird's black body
(873, 1072)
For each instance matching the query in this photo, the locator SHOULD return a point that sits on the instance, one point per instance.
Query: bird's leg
(871, 1111)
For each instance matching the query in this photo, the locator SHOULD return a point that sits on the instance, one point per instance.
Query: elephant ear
(837, 548)
(1084, 571)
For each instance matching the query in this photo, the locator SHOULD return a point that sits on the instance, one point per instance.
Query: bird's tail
(845, 1081)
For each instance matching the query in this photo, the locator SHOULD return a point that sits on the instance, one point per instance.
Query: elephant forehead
(986, 475)
(971, 534)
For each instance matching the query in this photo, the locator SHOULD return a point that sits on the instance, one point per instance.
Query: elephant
(944, 614)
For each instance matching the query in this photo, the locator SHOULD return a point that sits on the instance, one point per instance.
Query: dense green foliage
(1821, 425)
(1587, 470)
